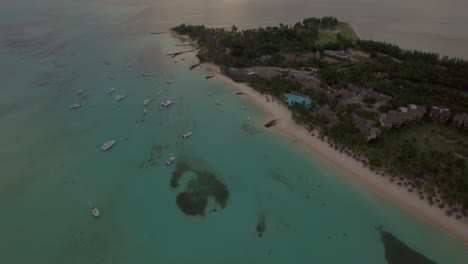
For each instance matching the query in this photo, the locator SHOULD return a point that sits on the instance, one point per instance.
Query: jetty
(271, 123)
(194, 66)
(175, 54)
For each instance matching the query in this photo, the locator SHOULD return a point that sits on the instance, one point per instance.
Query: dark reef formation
(261, 226)
(155, 155)
(397, 252)
(194, 199)
(250, 129)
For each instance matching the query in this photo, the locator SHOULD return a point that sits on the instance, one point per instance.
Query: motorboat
(170, 160)
(244, 107)
(119, 97)
(110, 90)
(78, 92)
(146, 74)
(74, 106)
(160, 92)
(146, 102)
(166, 103)
(112, 77)
(145, 111)
(95, 212)
(108, 144)
(210, 94)
(169, 82)
(186, 135)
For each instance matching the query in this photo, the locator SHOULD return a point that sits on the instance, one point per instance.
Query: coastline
(352, 168)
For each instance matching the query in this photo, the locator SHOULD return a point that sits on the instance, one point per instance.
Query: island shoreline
(345, 164)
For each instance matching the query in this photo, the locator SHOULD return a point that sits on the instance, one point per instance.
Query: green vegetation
(331, 36)
(244, 48)
(430, 155)
(430, 152)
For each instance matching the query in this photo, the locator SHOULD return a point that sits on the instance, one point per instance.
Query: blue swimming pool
(294, 98)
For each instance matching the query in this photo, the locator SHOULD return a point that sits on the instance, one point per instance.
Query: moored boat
(78, 92)
(244, 107)
(186, 135)
(110, 90)
(145, 111)
(160, 92)
(108, 144)
(95, 212)
(119, 97)
(146, 102)
(166, 103)
(74, 106)
(170, 160)
(169, 82)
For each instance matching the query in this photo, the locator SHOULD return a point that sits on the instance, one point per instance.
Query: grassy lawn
(347, 31)
(327, 36)
(434, 136)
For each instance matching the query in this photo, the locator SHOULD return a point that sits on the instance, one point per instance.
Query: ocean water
(52, 170)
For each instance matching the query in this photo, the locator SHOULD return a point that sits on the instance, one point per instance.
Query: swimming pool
(294, 98)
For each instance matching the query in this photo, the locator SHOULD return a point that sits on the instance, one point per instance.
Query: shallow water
(53, 170)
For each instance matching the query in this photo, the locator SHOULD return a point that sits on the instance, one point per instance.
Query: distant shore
(351, 167)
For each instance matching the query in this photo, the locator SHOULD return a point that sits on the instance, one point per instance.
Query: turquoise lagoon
(52, 168)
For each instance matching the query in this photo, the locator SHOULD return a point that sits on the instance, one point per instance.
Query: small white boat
(74, 106)
(248, 118)
(78, 92)
(169, 82)
(186, 135)
(145, 111)
(166, 103)
(112, 77)
(110, 90)
(170, 160)
(146, 102)
(145, 74)
(95, 212)
(244, 107)
(108, 144)
(119, 97)
(160, 92)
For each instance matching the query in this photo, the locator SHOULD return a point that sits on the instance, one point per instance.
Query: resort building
(404, 116)
(366, 127)
(461, 121)
(391, 119)
(445, 115)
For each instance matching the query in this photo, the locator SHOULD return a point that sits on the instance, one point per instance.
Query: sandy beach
(352, 168)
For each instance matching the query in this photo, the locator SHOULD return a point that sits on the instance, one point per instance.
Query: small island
(401, 113)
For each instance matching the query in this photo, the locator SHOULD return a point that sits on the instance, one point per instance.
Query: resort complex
(379, 103)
